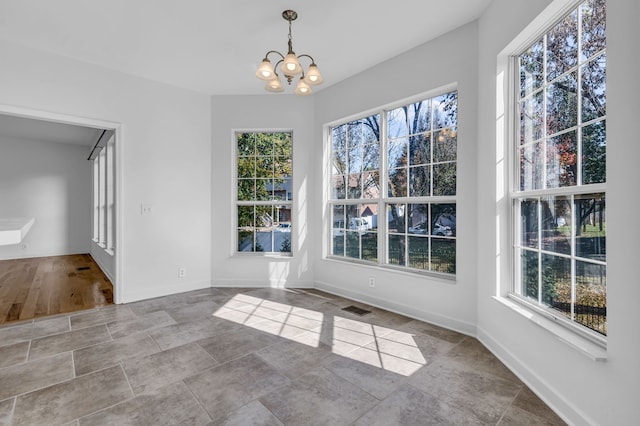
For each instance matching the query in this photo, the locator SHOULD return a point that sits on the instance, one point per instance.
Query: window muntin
(264, 167)
(393, 192)
(559, 199)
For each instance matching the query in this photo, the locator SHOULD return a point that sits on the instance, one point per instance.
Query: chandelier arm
(266, 55)
(307, 56)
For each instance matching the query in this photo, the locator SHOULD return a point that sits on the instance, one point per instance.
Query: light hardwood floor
(41, 286)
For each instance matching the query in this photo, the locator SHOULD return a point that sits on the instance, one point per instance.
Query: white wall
(262, 112)
(581, 390)
(448, 59)
(50, 182)
(165, 146)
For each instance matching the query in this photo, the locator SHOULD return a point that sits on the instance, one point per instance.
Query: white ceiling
(215, 46)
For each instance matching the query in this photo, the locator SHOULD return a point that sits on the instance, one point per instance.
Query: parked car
(284, 227)
(441, 230)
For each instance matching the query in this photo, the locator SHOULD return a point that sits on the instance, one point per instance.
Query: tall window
(104, 193)
(264, 165)
(559, 197)
(393, 198)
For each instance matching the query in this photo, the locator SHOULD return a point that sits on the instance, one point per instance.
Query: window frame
(269, 203)
(384, 200)
(515, 193)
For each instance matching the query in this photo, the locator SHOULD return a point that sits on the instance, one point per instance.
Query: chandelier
(289, 66)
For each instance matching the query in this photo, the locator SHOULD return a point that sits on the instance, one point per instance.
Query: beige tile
(70, 400)
(27, 377)
(197, 311)
(433, 330)
(229, 386)
(319, 398)
(170, 405)
(294, 359)
(160, 369)
(101, 316)
(33, 330)
(529, 401)
(112, 352)
(515, 416)
(228, 346)
(470, 352)
(141, 323)
(187, 332)
(68, 341)
(13, 354)
(6, 409)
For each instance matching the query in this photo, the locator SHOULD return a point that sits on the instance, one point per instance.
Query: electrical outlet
(24, 246)
(146, 209)
(182, 272)
(372, 282)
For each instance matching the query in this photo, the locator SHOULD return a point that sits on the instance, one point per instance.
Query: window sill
(581, 344)
(240, 255)
(447, 278)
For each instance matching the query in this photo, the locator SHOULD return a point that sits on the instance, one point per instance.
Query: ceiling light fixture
(289, 66)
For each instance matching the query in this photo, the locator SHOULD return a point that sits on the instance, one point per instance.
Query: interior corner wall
(165, 152)
(450, 59)
(581, 390)
(50, 182)
(262, 113)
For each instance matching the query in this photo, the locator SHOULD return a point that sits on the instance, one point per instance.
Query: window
(264, 165)
(393, 186)
(559, 196)
(103, 158)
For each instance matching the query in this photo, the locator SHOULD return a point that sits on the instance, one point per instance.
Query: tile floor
(253, 357)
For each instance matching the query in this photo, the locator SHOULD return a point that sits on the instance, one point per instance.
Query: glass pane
(246, 240)
(352, 247)
(282, 238)
(443, 220)
(398, 152)
(370, 246)
(264, 189)
(418, 219)
(370, 185)
(444, 146)
(264, 241)
(561, 160)
(351, 213)
(282, 189)
(264, 167)
(246, 217)
(562, 46)
(338, 137)
(445, 110)
(419, 181)
(369, 216)
(594, 85)
(591, 226)
(398, 182)
(556, 224)
(419, 117)
(531, 69)
(246, 144)
(593, 27)
(420, 149)
(282, 145)
(444, 179)
(371, 157)
(556, 282)
(562, 104)
(264, 143)
(396, 218)
(594, 153)
(418, 252)
(531, 118)
(283, 217)
(246, 167)
(371, 128)
(531, 166)
(591, 296)
(339, 162)
(397, 123)
(338, 187)
(338, 218)
(264, 217)
(355, 159)
(355, 134)
(443, 255)
(397, 250)
(529, 223)
(246, 190)
(529, 273)
(354, 188)
(338, 243)
(282, 167)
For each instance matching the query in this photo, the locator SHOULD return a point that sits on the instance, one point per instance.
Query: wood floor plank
(31, 288)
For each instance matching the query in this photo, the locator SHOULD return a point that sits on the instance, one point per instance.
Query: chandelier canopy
(289, 66)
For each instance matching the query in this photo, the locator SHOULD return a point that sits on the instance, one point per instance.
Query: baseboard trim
(563, 408)
(239, 283)
(400, 308)
(32, 255)
(133, 295)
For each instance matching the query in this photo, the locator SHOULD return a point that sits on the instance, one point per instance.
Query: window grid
(584, 197)
(407, 164)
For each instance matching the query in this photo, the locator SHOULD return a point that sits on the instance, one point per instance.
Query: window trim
(234, 252)
(381, 201)
(507, 65)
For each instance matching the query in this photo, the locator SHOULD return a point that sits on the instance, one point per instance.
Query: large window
(559, 182)
(264, 164)
(393, 186)
(103, 157)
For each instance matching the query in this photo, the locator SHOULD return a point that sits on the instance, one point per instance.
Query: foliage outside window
(264, 162)
(560, 199)
(393, 191)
